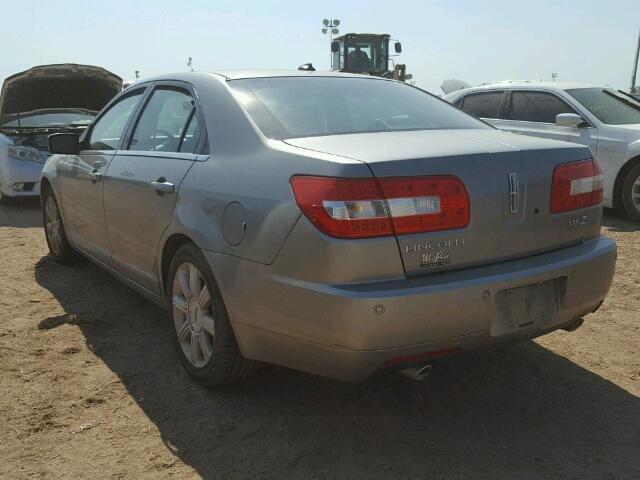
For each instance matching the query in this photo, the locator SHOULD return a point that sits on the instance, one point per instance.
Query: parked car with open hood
(332, 223)
(38, 102)
(604, 119)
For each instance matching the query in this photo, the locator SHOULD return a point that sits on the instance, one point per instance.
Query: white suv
(606, 120)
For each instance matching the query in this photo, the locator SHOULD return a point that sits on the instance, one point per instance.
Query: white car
(606, 120)
(38, 102)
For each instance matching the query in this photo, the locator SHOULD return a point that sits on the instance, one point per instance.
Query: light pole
(331, 27)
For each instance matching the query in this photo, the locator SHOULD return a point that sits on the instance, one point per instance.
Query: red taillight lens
(368, 207)
(576, 185)
(426, 204)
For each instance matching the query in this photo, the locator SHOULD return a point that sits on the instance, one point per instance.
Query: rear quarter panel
(241, 203)
(237, 199)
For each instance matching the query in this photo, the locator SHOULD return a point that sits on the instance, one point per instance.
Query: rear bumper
(349, 331)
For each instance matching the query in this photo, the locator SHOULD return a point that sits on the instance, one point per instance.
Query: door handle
(95, 176)
(162, 186)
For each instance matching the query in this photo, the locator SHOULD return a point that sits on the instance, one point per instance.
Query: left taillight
(576, 185)
(369, 207)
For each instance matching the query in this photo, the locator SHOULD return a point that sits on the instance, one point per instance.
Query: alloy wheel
(635, 194)
(53, 225)
(193, 316)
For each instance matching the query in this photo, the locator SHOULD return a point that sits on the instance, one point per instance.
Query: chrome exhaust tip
(417, 373)
(572, 327)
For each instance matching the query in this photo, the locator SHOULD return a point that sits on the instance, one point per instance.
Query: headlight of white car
(25, 153)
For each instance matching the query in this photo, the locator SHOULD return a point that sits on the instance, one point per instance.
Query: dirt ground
(90, 387)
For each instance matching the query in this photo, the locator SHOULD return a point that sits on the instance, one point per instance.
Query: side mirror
(335, 47)
(569, 120)
(398, 47)
(64, 143)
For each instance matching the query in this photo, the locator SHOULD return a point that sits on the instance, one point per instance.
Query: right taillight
(576, 185)
(369, 207)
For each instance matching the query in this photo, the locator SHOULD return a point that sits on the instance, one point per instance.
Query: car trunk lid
(508, 181)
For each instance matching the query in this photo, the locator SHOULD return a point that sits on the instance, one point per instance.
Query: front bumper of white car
(19, 178)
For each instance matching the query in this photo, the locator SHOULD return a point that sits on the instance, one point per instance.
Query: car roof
(238, 74)
(527, 84)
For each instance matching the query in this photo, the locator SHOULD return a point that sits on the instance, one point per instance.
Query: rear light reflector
(369, 207)
(576, 185)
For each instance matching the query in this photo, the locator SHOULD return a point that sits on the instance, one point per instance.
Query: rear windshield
(290, 107)
(607, 105)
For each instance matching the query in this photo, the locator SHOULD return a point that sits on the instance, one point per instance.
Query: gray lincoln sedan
(332, 223)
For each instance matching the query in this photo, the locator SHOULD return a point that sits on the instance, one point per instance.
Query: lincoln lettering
(433, 245)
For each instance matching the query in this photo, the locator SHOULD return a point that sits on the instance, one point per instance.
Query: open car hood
(62, 86)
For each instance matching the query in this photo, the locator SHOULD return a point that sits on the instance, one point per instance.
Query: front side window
(109, 129)
(483, 105)
(607, 105)
(289, 107)
(167, 123)
(537, 107)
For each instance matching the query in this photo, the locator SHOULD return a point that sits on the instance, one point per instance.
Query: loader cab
(362, 53)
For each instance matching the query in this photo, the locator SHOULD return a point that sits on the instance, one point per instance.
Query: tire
(631, 193)
(59, 248)
(199, 323)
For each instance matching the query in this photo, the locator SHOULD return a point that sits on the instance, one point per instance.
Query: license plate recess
(533, 306)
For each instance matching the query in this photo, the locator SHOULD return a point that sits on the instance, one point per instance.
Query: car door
(485, 105)
(534, 113)
(142, 181)
(82, 176)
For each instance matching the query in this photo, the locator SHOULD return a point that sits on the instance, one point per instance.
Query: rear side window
(191, 136)
(167, 123)
(483, 105)
(537, 107)
(108, 130)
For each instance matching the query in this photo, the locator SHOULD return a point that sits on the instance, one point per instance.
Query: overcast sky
(590, 41)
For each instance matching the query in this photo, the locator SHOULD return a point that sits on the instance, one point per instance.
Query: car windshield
(290, 107)
(50, 120)
(607, 105)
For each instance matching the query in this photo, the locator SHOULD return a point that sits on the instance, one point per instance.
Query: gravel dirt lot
(90, 387)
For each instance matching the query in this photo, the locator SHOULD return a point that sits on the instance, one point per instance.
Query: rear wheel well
(171, 246)
(622, 173)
